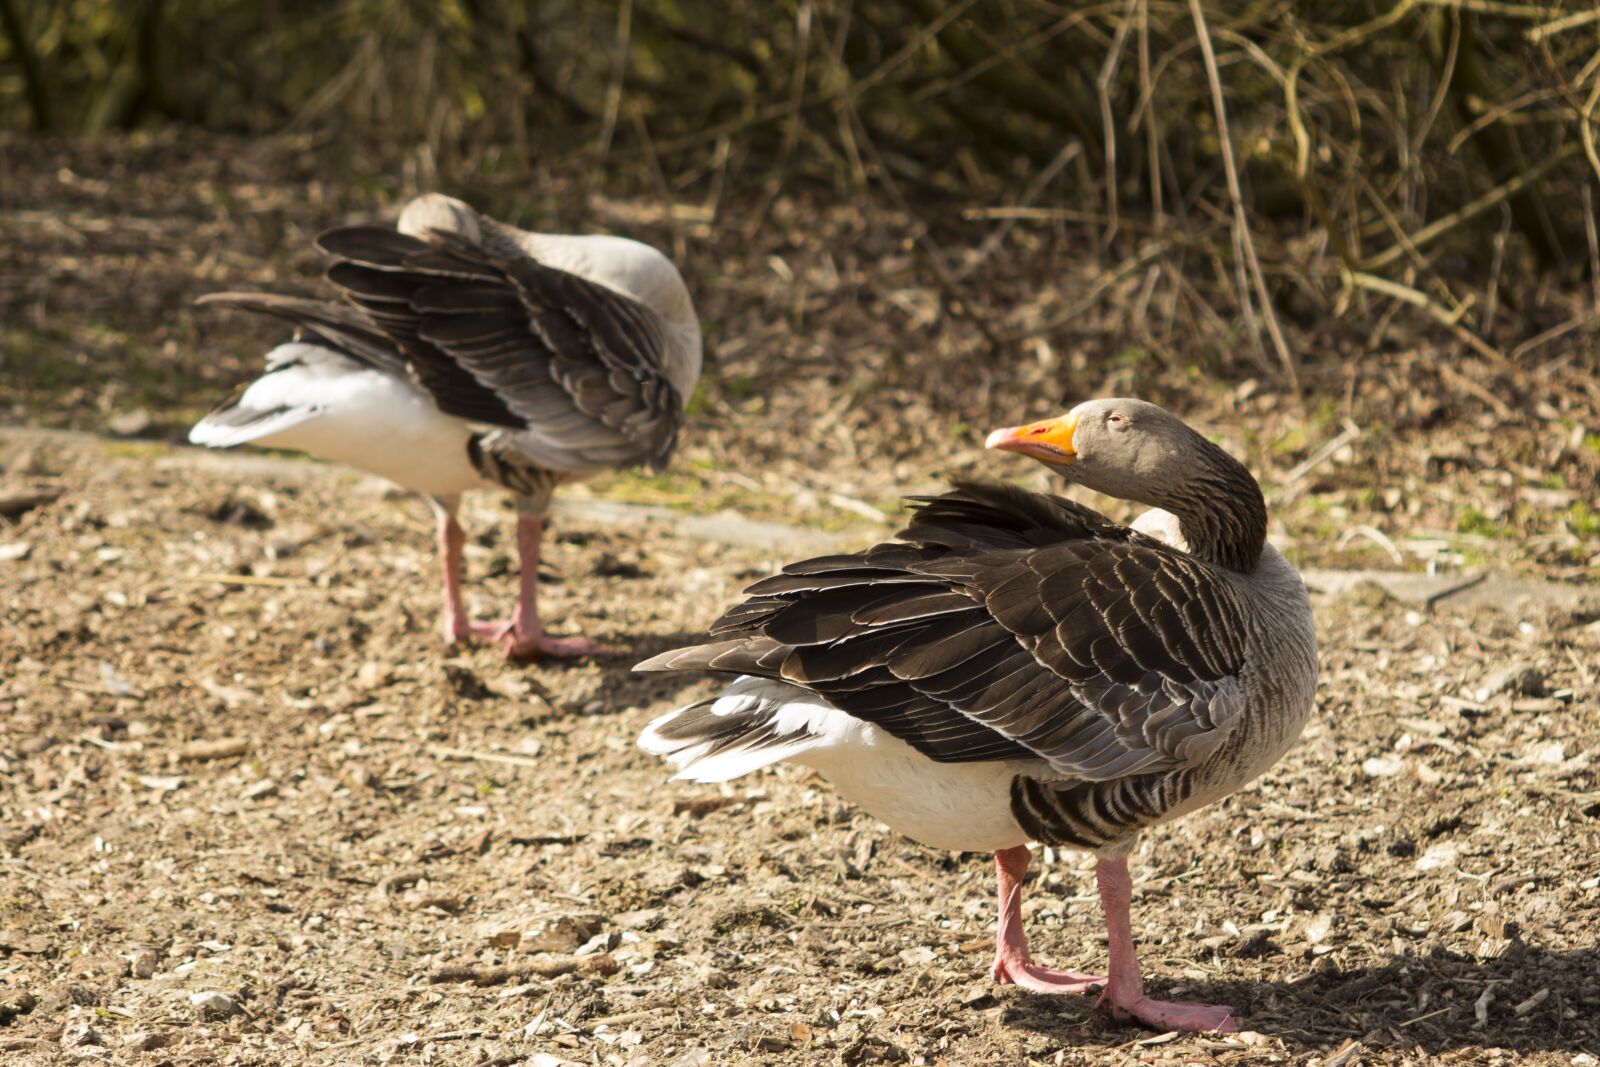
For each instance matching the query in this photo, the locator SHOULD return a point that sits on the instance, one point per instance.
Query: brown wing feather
(517, 342)
(1004, 625)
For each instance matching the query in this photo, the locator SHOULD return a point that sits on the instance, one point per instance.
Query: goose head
(1135, 450)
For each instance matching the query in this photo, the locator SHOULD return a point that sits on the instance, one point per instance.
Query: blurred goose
(1016, 667)
(469, 354)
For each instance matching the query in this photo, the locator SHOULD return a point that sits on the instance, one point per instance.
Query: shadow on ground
(1532, 1000)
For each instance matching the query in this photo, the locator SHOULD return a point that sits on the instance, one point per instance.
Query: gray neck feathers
(1220, 510)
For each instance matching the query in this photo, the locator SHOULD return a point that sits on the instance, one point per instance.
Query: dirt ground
(237, 761)
(840, 373)
(252, 811)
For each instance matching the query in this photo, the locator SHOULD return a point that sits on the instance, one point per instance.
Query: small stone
(976, 995)
(562, 933)
(1443, 855)
(264, 788)
(215, 748)
(1518, 679)
(373, 675)
(602, 942)
(81, 1033)
(213, 1005)
(14, 550)
(1382, 766)
(1547, 755)
(505, 939)
(1331, 859)
(143, 962)
(17, 1004)
(129, 423)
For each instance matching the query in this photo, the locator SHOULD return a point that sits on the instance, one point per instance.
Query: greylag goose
(1016, 667)
(469, 354)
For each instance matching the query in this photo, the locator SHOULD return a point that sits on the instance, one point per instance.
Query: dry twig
(1241, 224)
(462, 754)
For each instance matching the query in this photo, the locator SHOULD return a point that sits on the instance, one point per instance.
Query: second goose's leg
(1012, 962)
(523, 634)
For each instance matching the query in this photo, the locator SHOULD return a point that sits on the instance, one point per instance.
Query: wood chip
(217, 748)
(232, 696)
(447, 904)
(244, 579)
(698, 806)
(266, 787)
(461, 754)
(15, 502)
(1159, 1039)
(547, 968)
(453, 1035)
(1347, 1052)
(1480, 1007)
(1532, 1002)
(396, 882)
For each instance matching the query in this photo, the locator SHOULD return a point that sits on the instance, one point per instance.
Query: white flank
(335, 409)
(961, 806)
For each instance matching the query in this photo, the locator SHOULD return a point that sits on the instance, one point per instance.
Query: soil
(841, 371)
(255, 812)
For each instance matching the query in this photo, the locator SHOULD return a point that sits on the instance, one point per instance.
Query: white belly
(383, 426)
(964, 807)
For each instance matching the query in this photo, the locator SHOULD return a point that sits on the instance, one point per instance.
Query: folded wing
(573, 367)
(1005, 625)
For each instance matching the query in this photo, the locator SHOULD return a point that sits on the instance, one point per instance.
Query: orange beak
(1049, 441)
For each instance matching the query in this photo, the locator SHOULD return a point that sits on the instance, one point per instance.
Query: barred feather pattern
(497, 458)
(1094, 815)
(1280, 681)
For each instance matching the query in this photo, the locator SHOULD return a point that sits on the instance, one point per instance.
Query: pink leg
(1124, 993)
(454, 620)
(1012, 963)
(523, 635)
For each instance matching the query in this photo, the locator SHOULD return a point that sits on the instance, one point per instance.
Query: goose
(1016, 667)
(467, 354)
